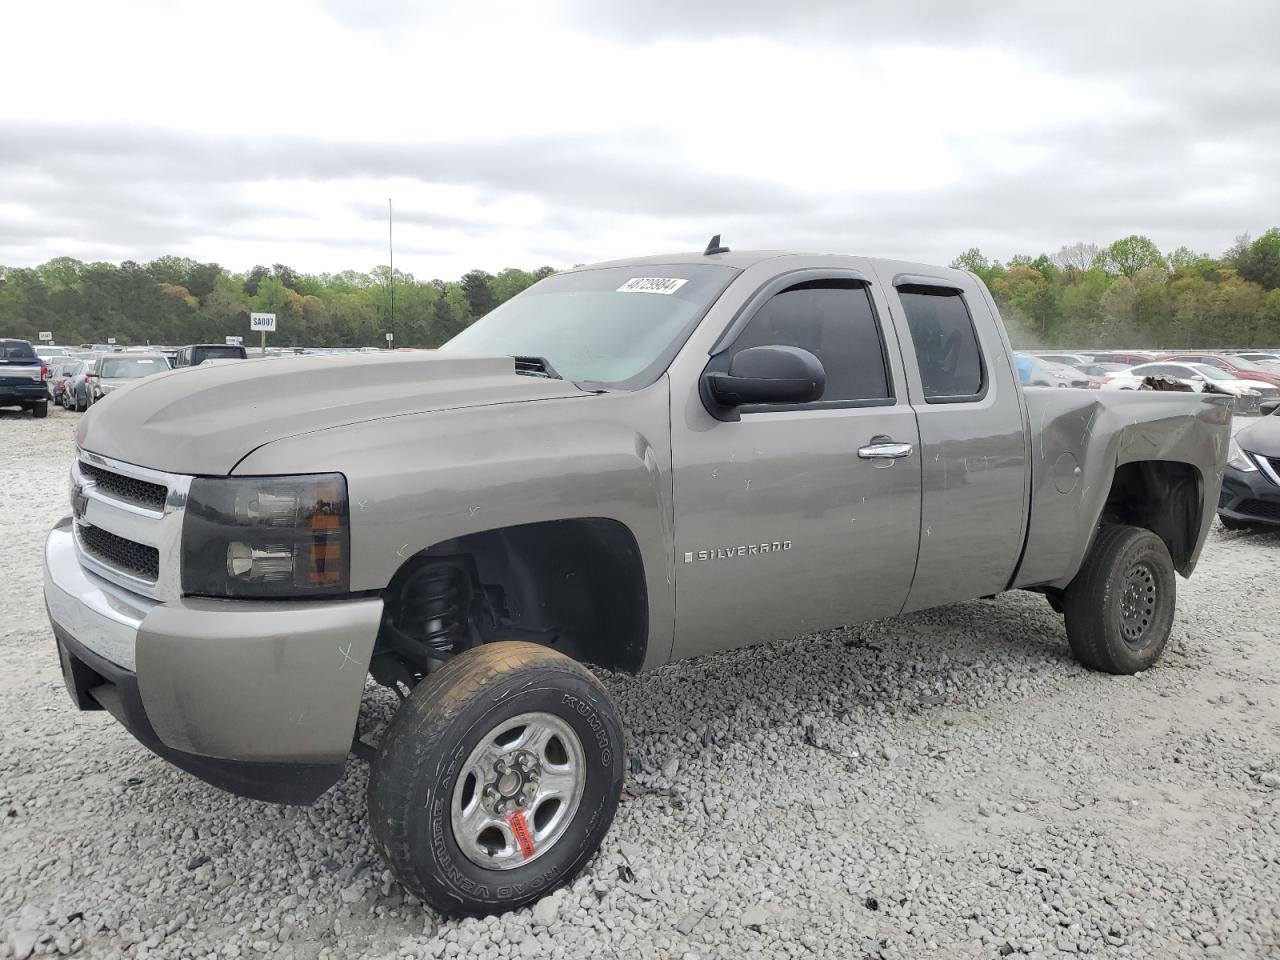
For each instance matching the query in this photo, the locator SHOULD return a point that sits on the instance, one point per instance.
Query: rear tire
(1119, 608)
(451, 782)
(40, 410)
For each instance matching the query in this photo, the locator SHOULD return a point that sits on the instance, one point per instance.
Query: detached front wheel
(1119, 608)
(497, 779)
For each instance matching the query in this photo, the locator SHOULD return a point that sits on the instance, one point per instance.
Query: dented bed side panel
(1080, 438)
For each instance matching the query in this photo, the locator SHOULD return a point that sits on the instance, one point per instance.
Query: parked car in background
(59, 374)
(1127, 357)
(51, 355)
(1101, 370)
(23, 377)
(1251, 482)
(1035, 371)
(197, 353)
(1070, 359)
(1256, 356)
(1236, 366)
(75, 393)
(1202, 378)
(116, 370)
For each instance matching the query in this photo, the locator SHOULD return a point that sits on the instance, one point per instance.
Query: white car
(1201, 377)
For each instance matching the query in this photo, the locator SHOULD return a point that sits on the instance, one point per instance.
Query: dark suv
(23, 378)
(198, 353)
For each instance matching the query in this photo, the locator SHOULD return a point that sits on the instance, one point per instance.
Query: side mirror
(1196, 376)
(772, 374)
(1269, 407)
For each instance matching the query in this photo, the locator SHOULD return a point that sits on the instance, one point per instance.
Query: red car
(1236, 366)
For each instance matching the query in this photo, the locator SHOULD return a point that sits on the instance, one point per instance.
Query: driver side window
(833, 320)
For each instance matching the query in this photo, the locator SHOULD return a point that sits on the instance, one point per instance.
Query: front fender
(420, 480)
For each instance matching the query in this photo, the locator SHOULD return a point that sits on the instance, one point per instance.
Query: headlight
(1238, 458)
(267, 537)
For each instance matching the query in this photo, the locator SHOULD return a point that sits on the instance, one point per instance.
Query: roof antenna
(714, 247)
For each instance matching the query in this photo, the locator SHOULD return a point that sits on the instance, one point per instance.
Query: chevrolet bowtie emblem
(78, 501)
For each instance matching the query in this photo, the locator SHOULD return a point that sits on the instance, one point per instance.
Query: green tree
(1131, 254)
(1261, 262)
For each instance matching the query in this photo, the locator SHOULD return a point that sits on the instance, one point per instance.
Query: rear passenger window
(833, 320)
(946, 346)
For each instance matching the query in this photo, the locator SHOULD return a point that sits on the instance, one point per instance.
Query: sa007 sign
(265, 322)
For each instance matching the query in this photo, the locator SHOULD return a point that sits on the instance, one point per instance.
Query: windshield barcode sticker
(664, 285)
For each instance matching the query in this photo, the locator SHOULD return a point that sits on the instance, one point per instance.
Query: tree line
(1131, 294)
(1127, 293)
(177, 300)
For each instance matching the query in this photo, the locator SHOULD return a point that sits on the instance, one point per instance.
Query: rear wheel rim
(518, 791)
(1138, 603)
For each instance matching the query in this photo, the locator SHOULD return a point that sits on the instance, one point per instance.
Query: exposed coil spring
(434, 607)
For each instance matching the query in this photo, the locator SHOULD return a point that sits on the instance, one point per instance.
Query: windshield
(1211, 373)
(610, 326)
(217, 353)
(17, 351)
(131, 368)
(1244, 364)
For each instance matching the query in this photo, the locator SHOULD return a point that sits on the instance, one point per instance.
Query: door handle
(884, 448)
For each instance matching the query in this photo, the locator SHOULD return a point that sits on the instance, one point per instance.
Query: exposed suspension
(432, 618)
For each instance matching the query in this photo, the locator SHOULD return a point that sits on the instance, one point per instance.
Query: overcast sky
(526, 133)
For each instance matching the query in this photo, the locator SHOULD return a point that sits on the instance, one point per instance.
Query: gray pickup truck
(626, 464)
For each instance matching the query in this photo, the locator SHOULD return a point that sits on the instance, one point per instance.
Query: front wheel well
(1165, 497)
(577, 586)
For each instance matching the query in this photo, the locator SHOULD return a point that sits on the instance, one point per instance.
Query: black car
(23, 378)
(197, 353)
(1251, 484)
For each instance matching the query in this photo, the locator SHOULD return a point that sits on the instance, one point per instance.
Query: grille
(129, 489)
(1264, 509)
(135, 558)
(1274, 462)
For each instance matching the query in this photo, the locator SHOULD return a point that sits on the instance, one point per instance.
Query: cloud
(583, 131)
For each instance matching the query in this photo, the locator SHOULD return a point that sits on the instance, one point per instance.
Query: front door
(795, 518)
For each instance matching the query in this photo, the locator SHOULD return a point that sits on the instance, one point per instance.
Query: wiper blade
(536, 367)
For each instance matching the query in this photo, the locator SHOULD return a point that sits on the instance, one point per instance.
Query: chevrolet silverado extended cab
(625, 464)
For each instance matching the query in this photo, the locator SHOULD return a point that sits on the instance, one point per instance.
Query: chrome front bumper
(262, 682)
(102, 616)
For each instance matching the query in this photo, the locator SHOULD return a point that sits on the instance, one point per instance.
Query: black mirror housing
(769, 374)
(1268, 407)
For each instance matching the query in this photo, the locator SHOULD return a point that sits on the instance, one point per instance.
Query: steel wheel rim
(518, 791)
(1138, 603)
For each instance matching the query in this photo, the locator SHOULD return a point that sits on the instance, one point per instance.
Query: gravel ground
(947, 784)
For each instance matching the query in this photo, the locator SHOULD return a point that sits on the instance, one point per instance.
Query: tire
(1119, 608)
(82, 404)
(40, 410)
(424, 777)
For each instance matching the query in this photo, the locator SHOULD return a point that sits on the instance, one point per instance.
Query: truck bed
(1078, 440)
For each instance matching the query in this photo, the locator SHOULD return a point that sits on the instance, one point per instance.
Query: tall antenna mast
(391, 255)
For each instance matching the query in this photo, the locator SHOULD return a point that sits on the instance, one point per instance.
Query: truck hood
(203, 420)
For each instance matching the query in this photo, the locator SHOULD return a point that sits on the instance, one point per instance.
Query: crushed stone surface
(948, 784)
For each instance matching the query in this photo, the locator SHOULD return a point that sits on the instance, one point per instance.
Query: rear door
(969, 408)
(786, 520)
